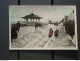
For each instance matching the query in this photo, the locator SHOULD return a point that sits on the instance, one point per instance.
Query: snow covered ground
(28, 37)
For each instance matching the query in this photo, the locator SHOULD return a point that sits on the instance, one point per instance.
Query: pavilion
(31, 17)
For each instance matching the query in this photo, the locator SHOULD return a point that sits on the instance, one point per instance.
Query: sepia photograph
(42, 27)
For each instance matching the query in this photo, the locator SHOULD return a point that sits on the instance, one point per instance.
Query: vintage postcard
(42, 27)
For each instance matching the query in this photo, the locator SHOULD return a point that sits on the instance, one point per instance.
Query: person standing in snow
(36, 25)
(50, 32)
(14, 33)
(18, 26)
(56, 33)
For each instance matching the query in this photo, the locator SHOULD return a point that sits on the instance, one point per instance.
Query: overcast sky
(54, 13)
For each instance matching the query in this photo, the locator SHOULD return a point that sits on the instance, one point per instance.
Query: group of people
(55, 33)
(16, 27)
(14, 30)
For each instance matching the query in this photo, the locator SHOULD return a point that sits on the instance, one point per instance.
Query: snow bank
(28, 37)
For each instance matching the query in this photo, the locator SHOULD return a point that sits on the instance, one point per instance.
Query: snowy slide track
(33, 43)
(46, 45)
(42, 42)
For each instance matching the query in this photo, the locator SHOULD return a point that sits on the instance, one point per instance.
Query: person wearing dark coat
(36, 25)
(56, 32)
(13, 33)
(18, 26)
(50, 32)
